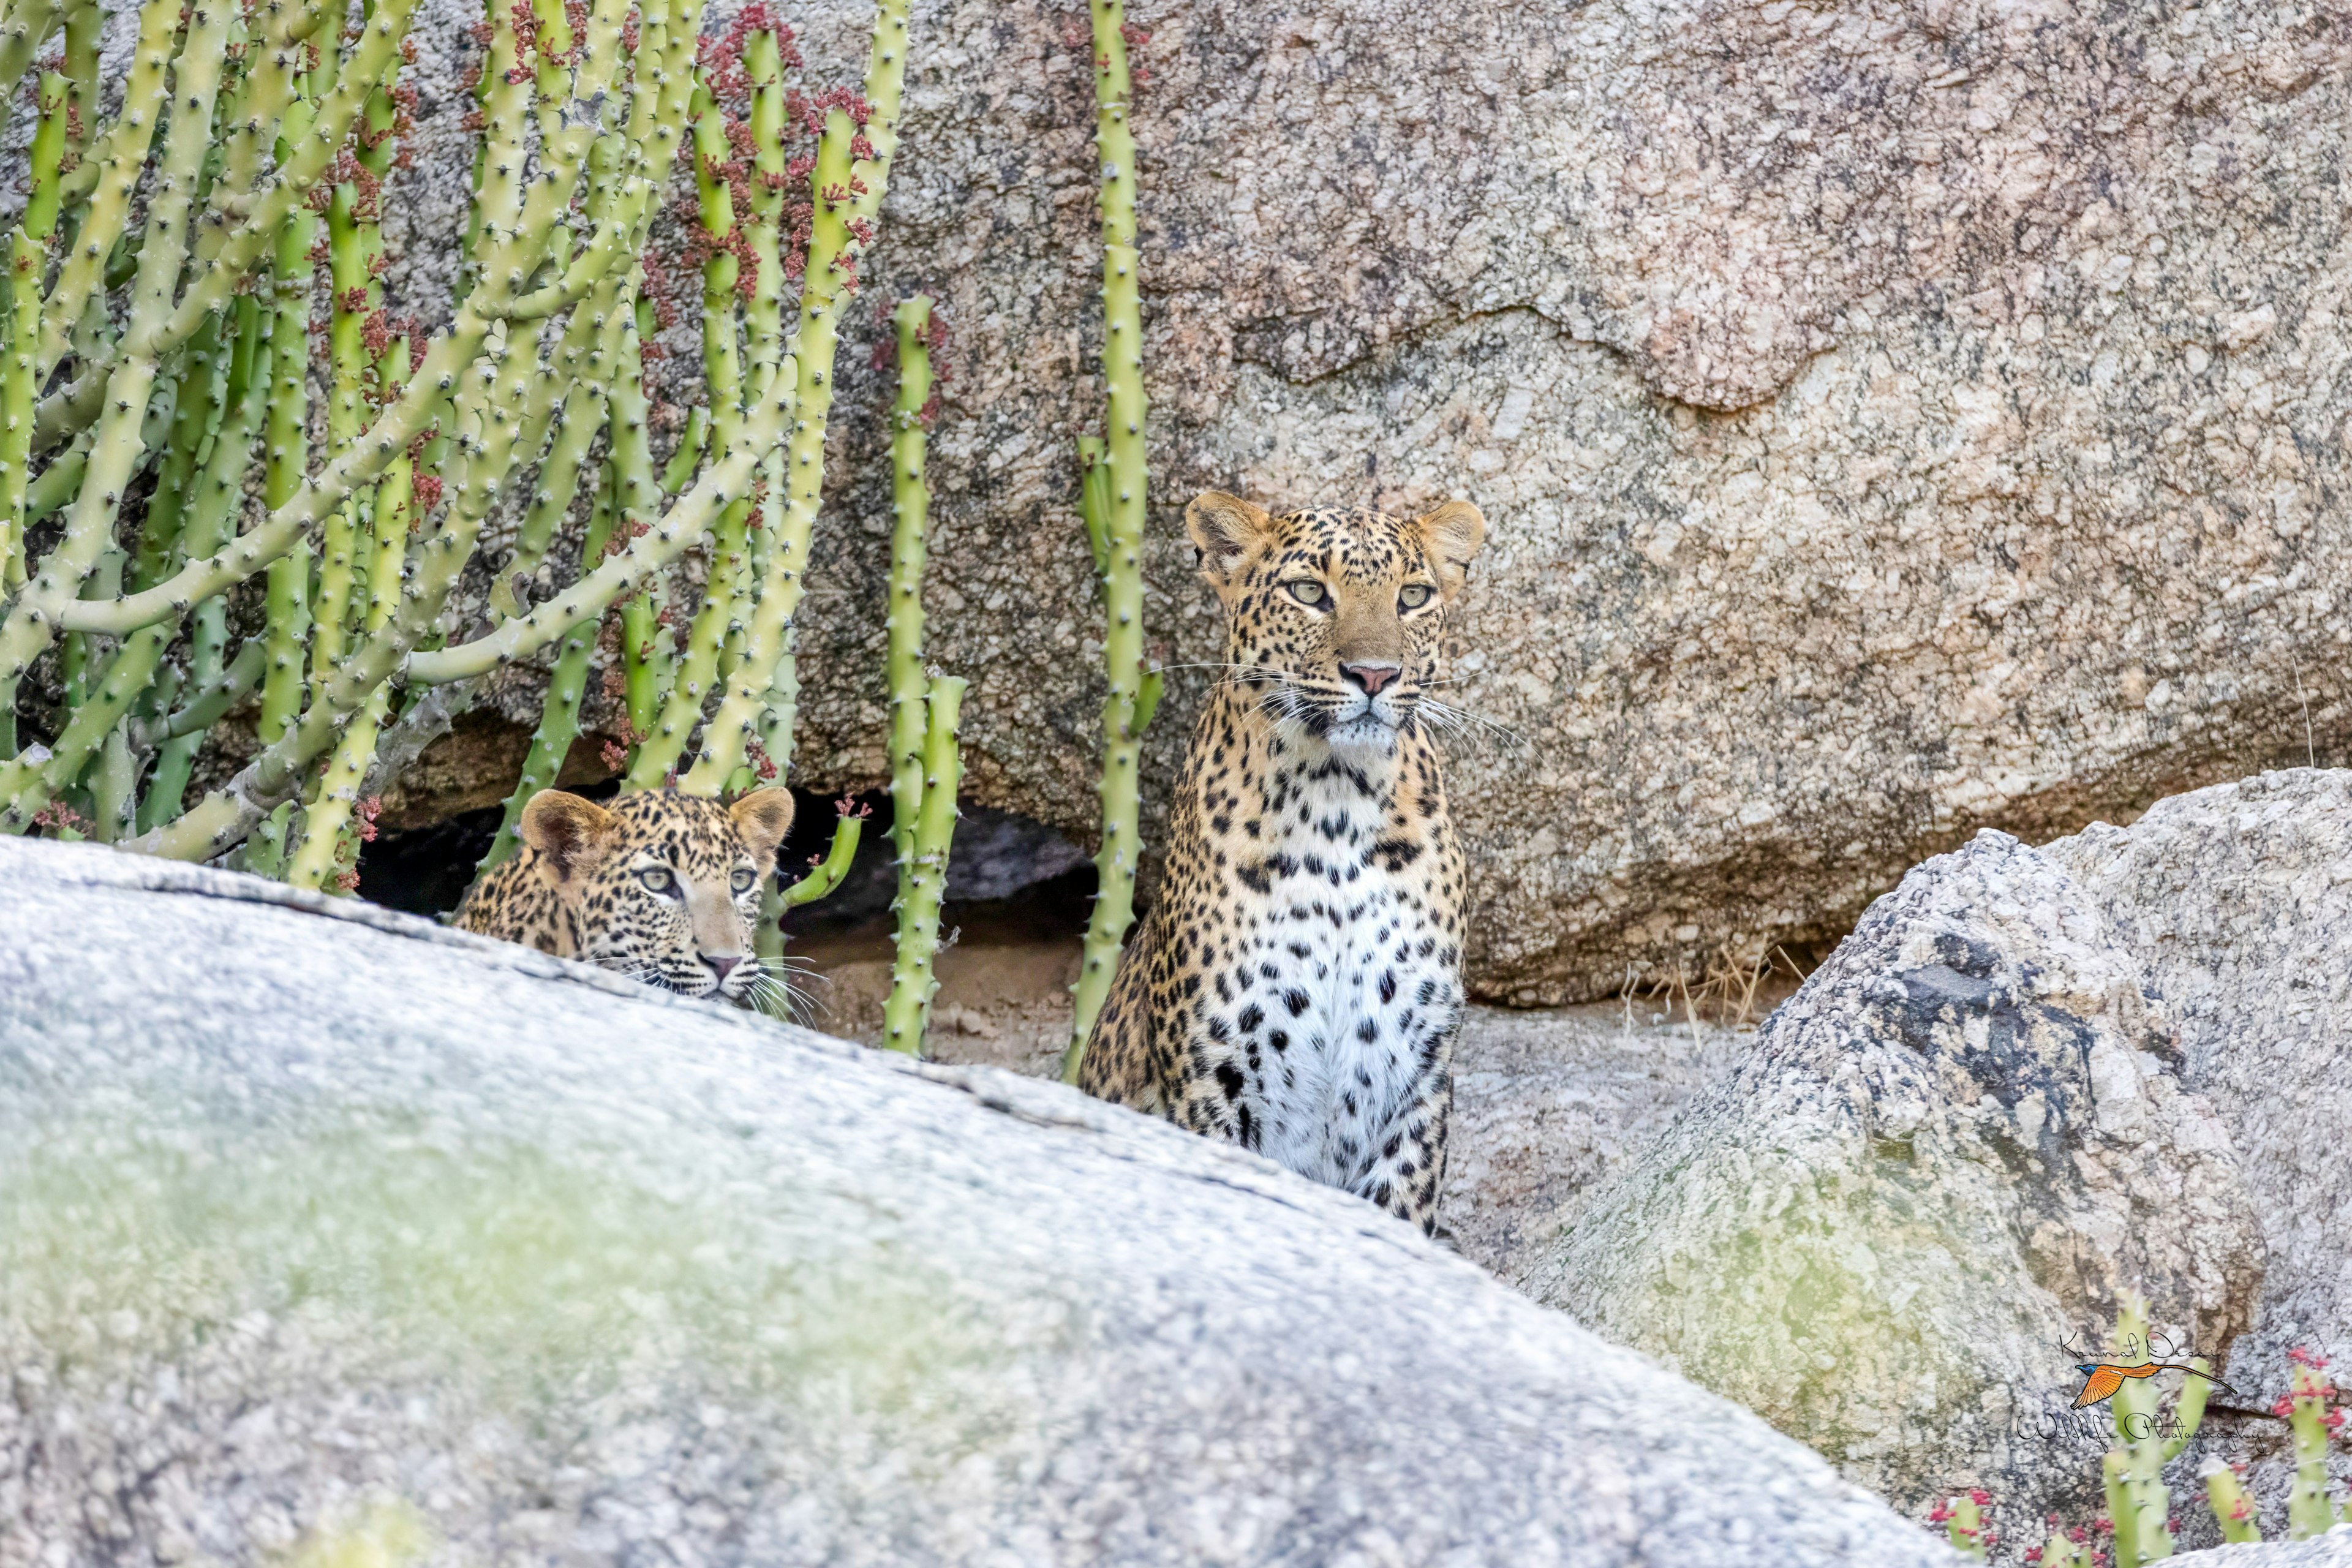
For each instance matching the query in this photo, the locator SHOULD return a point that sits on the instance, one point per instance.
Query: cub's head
(1335, 614)
(667, 885)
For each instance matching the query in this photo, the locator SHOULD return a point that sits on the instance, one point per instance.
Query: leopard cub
(1298, 984)
(661, 887)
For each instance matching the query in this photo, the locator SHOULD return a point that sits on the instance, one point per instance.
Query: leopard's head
(667, 886)
(1335, 614)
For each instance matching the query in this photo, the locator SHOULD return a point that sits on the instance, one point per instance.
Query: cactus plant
(2305, 1408)
(1112, 493)
(907, 1010)
(181, 356)
(903, 615)
(1963, 1519)
(2139, 1501)
(2233, 1510)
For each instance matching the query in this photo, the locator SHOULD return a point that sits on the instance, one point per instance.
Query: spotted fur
(1298, 984)
(664, 887)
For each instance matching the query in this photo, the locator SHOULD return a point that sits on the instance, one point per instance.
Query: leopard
(1296, 984)
(660, 886)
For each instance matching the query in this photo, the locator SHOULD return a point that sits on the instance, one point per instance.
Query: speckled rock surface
(1951, 1150)
(2237, 902)
(347, 1227)
(1548, 1105)
(1892, 418)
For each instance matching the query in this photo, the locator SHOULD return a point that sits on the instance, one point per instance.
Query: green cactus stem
(226, 814)
(699, 665)
(2309, 1511)
(117, 168)
(120, 444)
(646, 651)
(50, 603)
(1964, 1524)
(559, 718)
(334, 823)
(910, 512)
(2141, 1503)
(23, 30)
(516, 249)
(2233, 1510)
(215, 497)
(907, 1011)
(2061, 1551)
(1112, 492)
(664, 542)
(826, 873)
(851, 172)
(20, 345)
(2114, 1480)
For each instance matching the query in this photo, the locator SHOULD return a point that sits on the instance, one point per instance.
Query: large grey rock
(357, 1227)
(1893, 418)
(1959, 1145)
(1548, 1105)
(2332, 1550)
(2237, 902)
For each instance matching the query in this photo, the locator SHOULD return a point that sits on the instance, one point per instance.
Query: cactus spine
(1112, 494)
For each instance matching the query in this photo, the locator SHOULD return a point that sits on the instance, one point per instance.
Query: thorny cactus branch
(852, 164)
(231, 171)
(1116, 531)
(2233, 1510)
(38, 609)
(668, 539)
(118, 168)
(910, 511)
(226, 814)
(2308, 1416)
(907, 1011)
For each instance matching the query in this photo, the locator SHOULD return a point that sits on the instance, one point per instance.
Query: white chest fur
(1341, 990)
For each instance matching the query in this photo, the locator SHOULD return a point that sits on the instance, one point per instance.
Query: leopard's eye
(1307, 592)
(659, 880)
(1413, 595)
(744, 878)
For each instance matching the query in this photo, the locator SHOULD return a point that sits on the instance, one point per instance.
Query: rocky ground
(1547, 1101)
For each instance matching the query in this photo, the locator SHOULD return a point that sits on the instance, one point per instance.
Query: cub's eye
(1413, 595)
(659, 880)
(1307, 592)
(744, 878)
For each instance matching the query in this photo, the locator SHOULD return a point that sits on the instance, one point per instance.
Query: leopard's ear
(1452, 535)
(1225, 528)
(573, 835)
(764, 818)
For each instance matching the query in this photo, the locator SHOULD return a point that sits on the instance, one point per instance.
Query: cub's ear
(764, 818)
(1452, 535)
(574, 834)
(1225, 528)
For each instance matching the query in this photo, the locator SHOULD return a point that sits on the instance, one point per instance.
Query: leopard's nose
(722, 964)
(1372, 677)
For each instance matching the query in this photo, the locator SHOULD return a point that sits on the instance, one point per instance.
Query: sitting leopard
(1298, 984)
(663, 887)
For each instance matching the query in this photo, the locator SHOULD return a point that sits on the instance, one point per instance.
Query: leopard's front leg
(1408, 1157)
